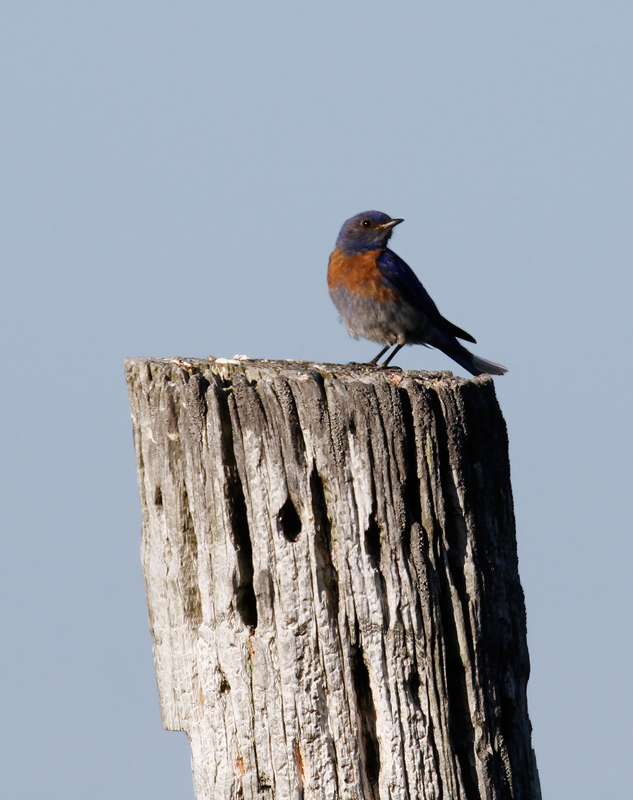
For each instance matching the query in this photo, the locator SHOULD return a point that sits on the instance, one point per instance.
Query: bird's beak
(388, 225)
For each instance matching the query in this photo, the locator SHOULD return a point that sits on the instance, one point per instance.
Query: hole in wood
(245, 601)
(367, 720)
(290, 521)
(412, 481)
(327, 576)
(158, 497)
(372, 542)
(413, 685)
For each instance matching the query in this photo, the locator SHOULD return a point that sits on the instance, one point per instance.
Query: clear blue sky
(174, 176)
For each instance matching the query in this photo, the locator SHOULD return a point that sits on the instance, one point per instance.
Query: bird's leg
(396, 349)
(375, 361)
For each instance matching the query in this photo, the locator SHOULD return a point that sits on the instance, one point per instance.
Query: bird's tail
(481, 365)
(474, 364)
(447, 343)
(468, 360)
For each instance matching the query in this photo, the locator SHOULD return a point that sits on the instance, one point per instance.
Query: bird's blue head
(367, 231)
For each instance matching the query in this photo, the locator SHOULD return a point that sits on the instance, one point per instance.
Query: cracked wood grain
(331, 571)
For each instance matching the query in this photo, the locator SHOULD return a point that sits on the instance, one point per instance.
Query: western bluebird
(379, 297)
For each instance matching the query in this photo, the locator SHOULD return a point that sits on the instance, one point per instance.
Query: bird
(380, 298)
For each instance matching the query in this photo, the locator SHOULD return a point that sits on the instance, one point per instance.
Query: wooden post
(331, 570)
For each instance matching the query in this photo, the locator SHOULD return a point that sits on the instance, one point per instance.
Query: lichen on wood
(331, 571)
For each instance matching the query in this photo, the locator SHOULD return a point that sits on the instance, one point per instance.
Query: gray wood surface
(331, 570)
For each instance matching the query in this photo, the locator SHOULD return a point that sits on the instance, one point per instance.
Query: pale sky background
(173, 177)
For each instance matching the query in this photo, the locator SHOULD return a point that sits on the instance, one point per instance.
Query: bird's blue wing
(399, 276)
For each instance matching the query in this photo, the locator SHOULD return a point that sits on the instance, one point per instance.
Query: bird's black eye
(365, 223)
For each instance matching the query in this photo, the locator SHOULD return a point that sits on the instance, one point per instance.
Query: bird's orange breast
(359, 275)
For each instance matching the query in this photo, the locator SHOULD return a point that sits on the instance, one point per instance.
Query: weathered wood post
(331, 572)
